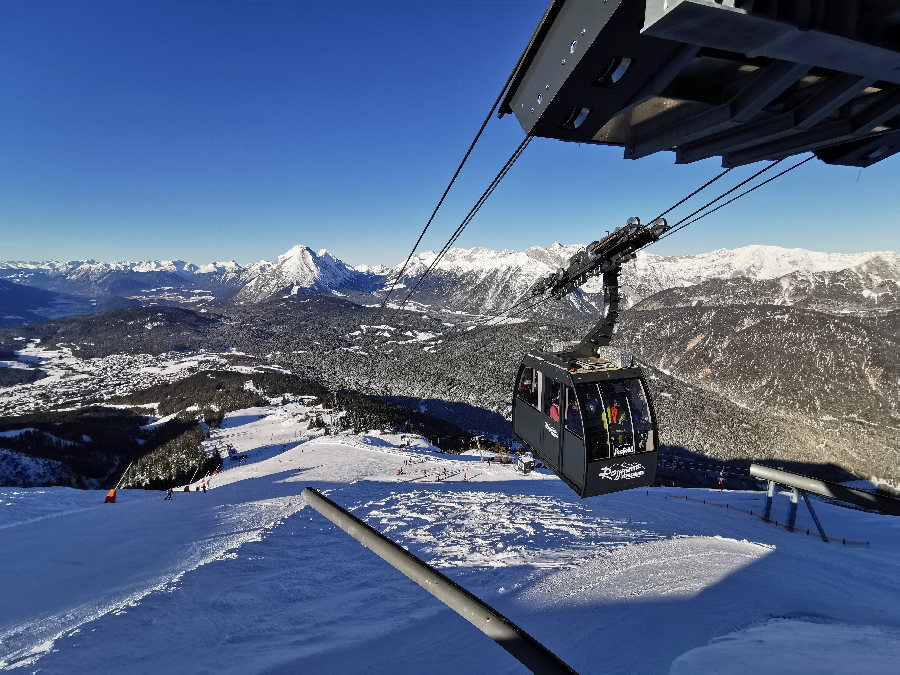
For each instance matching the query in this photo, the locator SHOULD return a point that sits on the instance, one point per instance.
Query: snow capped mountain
(474, 280)
(650, 273)
(753, 262)
(300, 271)
(480, 279)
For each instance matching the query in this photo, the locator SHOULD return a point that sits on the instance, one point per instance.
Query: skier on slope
(168, 495)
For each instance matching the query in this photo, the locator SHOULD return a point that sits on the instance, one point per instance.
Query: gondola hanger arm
(604, 257)
(601, 257)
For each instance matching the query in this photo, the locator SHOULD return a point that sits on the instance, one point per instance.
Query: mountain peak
(298, 251)
(299, 270)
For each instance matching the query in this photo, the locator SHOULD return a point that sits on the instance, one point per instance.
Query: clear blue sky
(234, 129)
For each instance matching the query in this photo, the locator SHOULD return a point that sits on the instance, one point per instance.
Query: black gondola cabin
(590, 421)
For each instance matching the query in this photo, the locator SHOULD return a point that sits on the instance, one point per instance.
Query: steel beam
(767, 84)
(829, 97)
(530, 653)
(814, 516)
(721, 25)
(869, 500)
(862, 153)
(864, 121)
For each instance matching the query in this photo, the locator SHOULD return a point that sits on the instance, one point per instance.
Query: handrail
(530, 653)
(869, 500)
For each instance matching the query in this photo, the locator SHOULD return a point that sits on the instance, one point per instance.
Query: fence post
(769, 495)
(792, 509)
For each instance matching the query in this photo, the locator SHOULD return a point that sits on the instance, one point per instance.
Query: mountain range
(474, 280)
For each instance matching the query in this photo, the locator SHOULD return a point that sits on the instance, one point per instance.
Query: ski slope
(243, 578)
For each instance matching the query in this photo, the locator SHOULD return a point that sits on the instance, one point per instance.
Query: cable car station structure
(745, 80)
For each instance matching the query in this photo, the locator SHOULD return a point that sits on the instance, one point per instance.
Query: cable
(699, 189)
(462, 226)
(446, 191)
(676, 227)
(728, 192)
(468, 219)
(733, 199)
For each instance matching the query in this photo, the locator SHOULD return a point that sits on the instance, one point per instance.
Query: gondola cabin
(590, 421)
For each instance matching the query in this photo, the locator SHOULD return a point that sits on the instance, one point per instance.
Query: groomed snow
(245, 579)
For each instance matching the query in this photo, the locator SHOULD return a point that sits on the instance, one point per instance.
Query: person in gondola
(615, 419)
(554, 410)
(573, 416)
(524, 392)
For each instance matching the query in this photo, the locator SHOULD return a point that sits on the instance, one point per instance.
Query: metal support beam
(767, 84)
(792, 509)
(814, 516)
(663, 77)
(869, 500)
(718, 25)
(767, 514)
(881, 108)
(864, 152)
(829, 97)
(530, 653)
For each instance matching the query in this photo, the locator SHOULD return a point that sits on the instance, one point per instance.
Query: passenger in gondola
(591, 406)
(573, 417)
(525, 393)
(554, 410)
(615, 419)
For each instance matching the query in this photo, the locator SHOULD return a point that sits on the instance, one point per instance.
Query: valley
(738, 371)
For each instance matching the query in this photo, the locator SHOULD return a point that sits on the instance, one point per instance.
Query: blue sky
(234, 129)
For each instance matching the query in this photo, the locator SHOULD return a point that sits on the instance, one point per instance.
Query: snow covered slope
(245, 579)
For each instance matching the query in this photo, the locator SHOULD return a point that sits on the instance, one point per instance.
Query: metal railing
(530, 653)
(730, 507)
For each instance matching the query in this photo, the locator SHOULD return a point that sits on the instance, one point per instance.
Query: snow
(244, 578)
(17, 432)
(30, 470)
(13, 433)
(795, 645)
(300, 269)
(158, 422)
(69, 378)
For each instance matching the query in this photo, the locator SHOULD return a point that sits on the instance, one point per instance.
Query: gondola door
(573, 450)
(551, 433)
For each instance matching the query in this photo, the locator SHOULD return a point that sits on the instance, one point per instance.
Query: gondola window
(573, 413)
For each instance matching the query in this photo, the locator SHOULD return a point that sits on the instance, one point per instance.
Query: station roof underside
(743, 80)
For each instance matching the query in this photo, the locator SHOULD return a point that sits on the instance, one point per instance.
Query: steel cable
(699, 189)
(676, 227)
(447, 189)
(462, 226)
